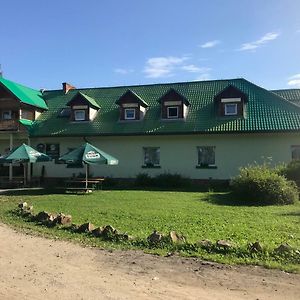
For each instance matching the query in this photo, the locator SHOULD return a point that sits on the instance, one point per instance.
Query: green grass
(196, 215)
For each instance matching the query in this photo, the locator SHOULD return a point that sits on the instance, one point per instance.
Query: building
(200, 129)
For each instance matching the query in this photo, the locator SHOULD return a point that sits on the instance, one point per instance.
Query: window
(7, 115)
(295, 152)
(129, 113)
(172, 112)
(79, 115)
(206, 156)
(151, 156)
(230, 109)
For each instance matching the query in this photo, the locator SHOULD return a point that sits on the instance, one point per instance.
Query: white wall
(178, 154)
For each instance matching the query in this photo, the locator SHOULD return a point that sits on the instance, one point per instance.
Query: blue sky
(96, 43)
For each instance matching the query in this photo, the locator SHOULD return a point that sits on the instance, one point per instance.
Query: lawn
(196, 215)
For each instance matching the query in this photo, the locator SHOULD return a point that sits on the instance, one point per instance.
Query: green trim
(24, 94)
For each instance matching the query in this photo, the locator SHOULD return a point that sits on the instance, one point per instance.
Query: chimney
(67, 87)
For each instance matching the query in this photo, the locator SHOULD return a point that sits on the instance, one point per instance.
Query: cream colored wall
(178, 154)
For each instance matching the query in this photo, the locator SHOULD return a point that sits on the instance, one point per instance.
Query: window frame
(125, 113)
(206, 165)
(226, 113)
(168, 114)
(295, 148)
(9, 114)
(77, 111)
(151, 164)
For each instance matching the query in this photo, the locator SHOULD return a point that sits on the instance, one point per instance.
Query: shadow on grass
(226, 199)
(291, 214)
(32, 192)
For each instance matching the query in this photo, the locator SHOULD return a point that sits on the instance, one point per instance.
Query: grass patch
(197, 216)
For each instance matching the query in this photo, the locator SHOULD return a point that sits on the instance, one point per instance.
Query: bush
(165, 180)
(143, 180)
(260, 184)
(292, 171)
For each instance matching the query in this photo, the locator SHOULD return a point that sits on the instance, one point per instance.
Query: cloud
(210, 44)
(123, 71)
(270, 36)
(195, 69)
(294, 81)
(162, 66)
(202, 77)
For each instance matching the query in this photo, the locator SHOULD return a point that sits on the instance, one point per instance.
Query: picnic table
(78, 185)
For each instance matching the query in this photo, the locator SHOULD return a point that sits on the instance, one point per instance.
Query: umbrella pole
(24, 166)
(86, 176)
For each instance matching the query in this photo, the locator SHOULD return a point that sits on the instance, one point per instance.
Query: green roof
(24, 94)
(292, 95)
(265, 111)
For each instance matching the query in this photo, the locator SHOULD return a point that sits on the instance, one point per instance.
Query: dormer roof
(129, 94)
(172, 94)
(84, 98)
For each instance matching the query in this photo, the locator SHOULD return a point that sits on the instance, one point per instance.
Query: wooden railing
(12, 125)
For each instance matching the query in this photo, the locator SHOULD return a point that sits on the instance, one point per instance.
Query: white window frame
(151, 163)
(295, 149)
(206, 164)
(230, 105)
(9, 113)
(79, 111)
(125, 114)
(168, 112)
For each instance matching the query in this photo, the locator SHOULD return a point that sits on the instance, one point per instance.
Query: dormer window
(82, 108)
(231, 102)
(230, 109)
(130, 113)
(80, 115)
(172, 112)
(132, 106)
(173, 106)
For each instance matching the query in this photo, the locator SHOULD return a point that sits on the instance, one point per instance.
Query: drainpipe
(11, 144)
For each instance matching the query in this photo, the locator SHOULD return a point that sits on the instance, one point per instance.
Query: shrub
(167, 180)
(143, 180)
(292, 171)
(260, 184)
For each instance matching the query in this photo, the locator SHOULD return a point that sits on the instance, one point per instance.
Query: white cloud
(270, 36)
(294, 81)
(123, 71)
(201, 77)
(162, 66)
(195, 69)
(210, 44)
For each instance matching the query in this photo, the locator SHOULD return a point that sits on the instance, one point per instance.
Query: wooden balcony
(9, 125)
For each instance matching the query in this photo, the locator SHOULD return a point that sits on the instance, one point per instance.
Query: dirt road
(36, 268)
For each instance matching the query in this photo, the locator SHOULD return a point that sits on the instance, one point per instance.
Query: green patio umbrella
(89, 155)
(24, 154)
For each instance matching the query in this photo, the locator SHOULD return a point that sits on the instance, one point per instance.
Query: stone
(97, 232)
(62, 219)
(205, 244)
(125, 237)
(176, 238)
(109, 232)
(22, 205)
(86, 228)
(155, 237)
(283, 248)
(224, 244)
(255, 247)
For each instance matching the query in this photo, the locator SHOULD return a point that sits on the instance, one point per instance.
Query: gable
(24, 94)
